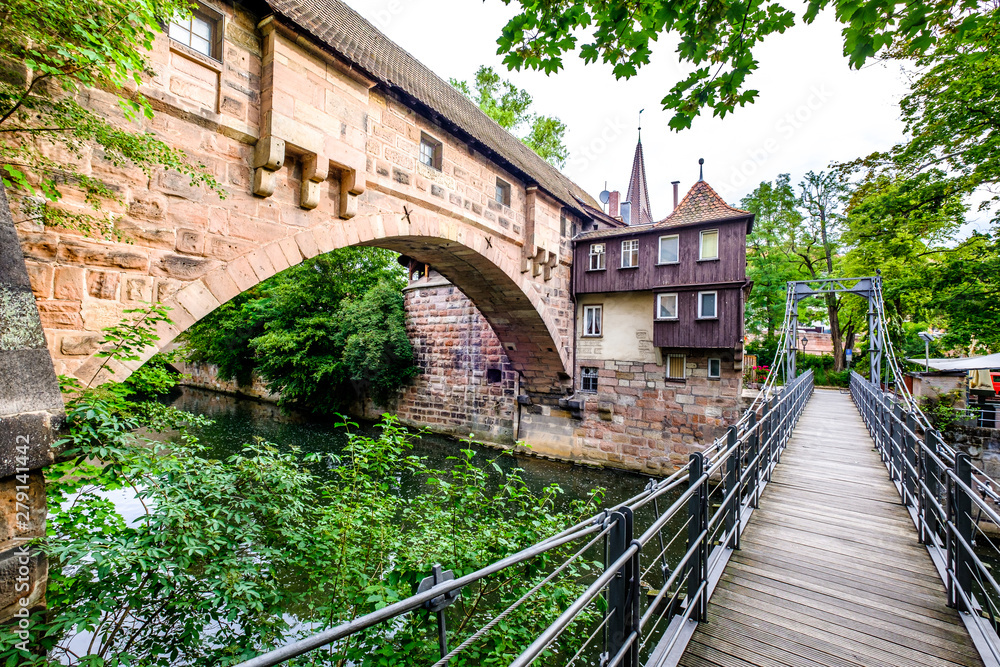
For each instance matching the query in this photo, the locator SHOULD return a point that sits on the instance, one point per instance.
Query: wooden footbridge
(830, 570)
(825, 528)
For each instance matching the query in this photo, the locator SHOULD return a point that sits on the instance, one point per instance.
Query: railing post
(773, 429)
(931, 475)
(783, 433)
(732, 484)
(885, 429)
(909, 460)
(961, 515)
(753, 444)
(623, 590)
(896, 442)
(697, 526)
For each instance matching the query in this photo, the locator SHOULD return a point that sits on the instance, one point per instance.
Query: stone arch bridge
(314, 124)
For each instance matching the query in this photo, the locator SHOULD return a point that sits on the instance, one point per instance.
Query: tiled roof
(353, 38)
(619, 231)
(638, 192)
(701, 204)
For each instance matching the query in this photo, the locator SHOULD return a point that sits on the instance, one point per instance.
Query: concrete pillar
(31, 408)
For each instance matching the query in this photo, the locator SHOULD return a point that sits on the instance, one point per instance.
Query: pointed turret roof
(638, 193)
(701, 204)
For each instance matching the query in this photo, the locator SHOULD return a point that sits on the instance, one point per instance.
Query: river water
(237, 421)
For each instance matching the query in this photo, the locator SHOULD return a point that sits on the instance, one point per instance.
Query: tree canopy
(719, 40)
(321, 334)
(510, 107)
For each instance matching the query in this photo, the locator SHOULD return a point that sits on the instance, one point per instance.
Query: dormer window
(597, 256)
(709, 245)
(630, 254)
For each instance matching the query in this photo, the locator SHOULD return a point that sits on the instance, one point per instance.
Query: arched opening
(529, 318)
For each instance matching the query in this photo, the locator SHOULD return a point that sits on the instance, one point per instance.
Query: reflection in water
(238, 421)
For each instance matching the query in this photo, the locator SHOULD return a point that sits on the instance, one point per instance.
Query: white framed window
(666, 306)
(708, 247)
(630, 254)
(588, 379)
(199, 31)
(715, 368)
(676, 367)
(503, 192)
(593, 324)
(708, 305)
(596, 256)
(669, 250)
(430, 151)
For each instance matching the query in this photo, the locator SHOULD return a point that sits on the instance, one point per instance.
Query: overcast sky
(812, 108)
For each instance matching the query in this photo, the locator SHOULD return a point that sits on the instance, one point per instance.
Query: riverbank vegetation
(231, 557)
(322, 335)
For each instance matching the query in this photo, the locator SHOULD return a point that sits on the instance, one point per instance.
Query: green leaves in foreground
(233, 557)
(717, 41)
(67, 101)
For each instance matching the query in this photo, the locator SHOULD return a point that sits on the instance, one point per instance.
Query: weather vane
(640, 123)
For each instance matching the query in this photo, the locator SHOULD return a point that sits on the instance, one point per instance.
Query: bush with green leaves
(322, 334)
(237, 556)
(233, 557)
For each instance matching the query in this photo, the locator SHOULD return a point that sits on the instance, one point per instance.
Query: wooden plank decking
(830, 571)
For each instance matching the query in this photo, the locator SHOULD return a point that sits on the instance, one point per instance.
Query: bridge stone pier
(314, 125)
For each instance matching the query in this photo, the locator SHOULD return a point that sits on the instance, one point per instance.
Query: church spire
(638, 193)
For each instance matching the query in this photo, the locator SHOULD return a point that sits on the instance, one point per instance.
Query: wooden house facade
(659, 321)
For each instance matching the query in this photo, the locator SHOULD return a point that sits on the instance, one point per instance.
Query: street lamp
(927, 337)
(805, 340)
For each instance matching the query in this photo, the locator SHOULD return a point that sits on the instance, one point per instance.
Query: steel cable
(472, 639)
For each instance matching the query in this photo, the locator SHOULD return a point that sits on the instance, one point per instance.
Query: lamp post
(927, 337)
(804, 341)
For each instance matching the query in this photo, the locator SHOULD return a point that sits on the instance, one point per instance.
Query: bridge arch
(523, 310)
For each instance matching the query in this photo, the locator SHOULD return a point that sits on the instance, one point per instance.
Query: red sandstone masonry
(455, 347)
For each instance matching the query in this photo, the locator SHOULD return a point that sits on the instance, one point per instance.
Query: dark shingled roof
(353, 38)
(700, 205)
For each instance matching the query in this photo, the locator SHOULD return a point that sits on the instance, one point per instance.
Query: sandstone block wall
(467, 384)
(638, 419)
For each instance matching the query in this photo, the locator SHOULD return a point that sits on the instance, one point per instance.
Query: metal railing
(620, 617)
(952, 504)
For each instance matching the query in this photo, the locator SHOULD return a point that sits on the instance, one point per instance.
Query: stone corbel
(315, 170)
(352, 165)
(268, 157)
(540, 263)
(550, 264)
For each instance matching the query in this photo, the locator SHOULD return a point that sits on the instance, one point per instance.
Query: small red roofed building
(659, 324)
